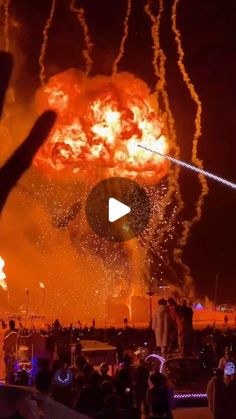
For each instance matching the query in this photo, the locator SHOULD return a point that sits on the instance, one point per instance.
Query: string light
(190, 396)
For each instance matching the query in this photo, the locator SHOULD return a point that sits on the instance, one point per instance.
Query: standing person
(217, 395)
(231, 399)
(159, 397)
(141, 375)
(228, 357)
(104, 369)
(174, 324)
(185, 329)
(90, 399)
(161, 326)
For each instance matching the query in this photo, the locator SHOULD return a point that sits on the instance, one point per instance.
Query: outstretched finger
(22, 157)
(6, 65)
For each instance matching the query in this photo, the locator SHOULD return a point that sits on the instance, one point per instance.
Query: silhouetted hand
(22, 157)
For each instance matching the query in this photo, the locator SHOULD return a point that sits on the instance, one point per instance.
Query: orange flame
(3, 283)
(101, 121)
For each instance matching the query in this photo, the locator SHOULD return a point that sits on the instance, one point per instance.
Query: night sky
(208, 34)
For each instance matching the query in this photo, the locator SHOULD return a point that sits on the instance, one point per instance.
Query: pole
(150, 293)
(215, 298)
(44, 298)
(27, 305)
(150, 311)
(105, 319)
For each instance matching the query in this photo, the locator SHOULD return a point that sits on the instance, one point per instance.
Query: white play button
(116, 210)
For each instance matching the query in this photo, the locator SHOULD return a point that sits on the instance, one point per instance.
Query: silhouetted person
(185, 329)
(173, 325)
(141, 375)
(159, 397)
(90, 398)
(104, 368)
(43, 379)
(228, 357)
(231, 399)
(123, 383)
(12, 325)
(112, 409)
(107, 388)
(217, 395)
(161, 325)
(56, 325)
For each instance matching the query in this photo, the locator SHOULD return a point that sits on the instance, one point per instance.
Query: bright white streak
(191, 167)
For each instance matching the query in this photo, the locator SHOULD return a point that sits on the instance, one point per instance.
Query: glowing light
(190, 396)
(159, 358)
(42, 286)
(63, 381)
(3, 282)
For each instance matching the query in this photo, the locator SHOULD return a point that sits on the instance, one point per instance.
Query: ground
(192, 413)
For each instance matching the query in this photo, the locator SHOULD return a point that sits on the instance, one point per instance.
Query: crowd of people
(133, 388)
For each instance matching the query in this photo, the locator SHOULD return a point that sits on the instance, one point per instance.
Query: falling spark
(3, 283)
(191, 167)
(41, 284)
(45, 42)
(124, 38)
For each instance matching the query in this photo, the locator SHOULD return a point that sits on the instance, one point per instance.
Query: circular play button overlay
(118, 209)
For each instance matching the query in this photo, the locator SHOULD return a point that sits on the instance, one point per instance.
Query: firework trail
(80, 13)
(45, 42)
(124, 38)
(197, 134)
(191, 167)
(6, 25)
(159, 60)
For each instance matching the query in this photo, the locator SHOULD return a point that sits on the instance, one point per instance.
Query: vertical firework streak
(124, 38)
(6, 25)
(80, 13)
(45, 42)
(159, 60)
(187, 225)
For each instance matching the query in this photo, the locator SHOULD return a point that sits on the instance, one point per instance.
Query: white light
(116, 210)
(191, 167)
